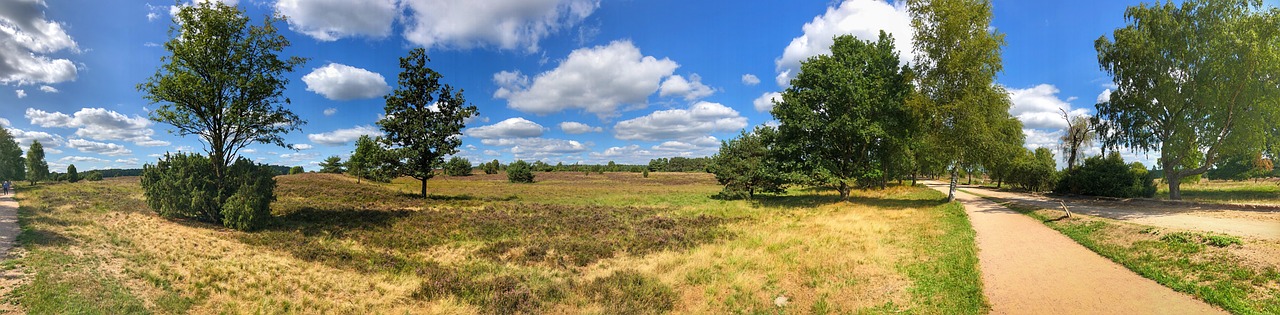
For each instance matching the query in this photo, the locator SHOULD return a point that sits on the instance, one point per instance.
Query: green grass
(1200, 264)
(1219, 191)
(615, 243)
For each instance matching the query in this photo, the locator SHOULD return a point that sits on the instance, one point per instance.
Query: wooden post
(1064, 208)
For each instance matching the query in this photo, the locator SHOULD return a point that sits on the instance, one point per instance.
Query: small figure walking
(7, 185)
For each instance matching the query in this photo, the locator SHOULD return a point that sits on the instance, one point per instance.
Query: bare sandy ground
(1264, 224)
(1028, 268)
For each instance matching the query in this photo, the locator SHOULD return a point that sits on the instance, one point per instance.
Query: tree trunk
(844, 190)
(914, 175)
(951, 193)
(424, 188)
(999, 182)
(1175, 181)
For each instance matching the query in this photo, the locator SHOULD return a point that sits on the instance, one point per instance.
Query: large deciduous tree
(37, 167)
(957, 58)
(423, 119)
(844, 113)
(12, 165)
(223, 81)
(1196, 81)
(745, 165)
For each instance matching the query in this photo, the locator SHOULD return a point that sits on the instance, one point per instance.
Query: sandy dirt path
(1209, 218)
(9, 279)
(8, 224)
(1028, 268)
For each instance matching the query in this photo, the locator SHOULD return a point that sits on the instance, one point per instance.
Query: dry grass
(615, 243)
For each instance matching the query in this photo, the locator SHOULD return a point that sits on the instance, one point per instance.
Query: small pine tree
(520, 172)
(646, 173)
(333, 164)
(458, 166)
(72, 175)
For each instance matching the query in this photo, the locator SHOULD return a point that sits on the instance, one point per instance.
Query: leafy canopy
(1196, 81)
(844, 116)
(423, 119)
(223, 81)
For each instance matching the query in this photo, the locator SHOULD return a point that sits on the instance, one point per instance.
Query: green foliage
(296, 170)
(1108, 176)
(744, 165)
(249, 206)
(423, 119)
(37, 168)
(458, 166)
(12, 165)
(223, 81)
(1239, 167)
(184, 186)
(333, 165)
(1196, 81)
(1034, 170)
(520, 172)
(491, 167)
(843, 117)
(369, 161)
(93, 176)
(679, 164)
(645, 173)
(72, 175)
(957, 59)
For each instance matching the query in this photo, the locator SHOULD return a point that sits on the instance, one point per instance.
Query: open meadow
(1250, 192)
(613, 243)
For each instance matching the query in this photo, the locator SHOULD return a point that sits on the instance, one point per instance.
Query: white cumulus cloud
(99, 124)
(750, 79)
(681, 124)
(26, 41)
(764, 103)
(1104, 97)
(109, 149)
(511, 128)
(341, 82)
(574, 128)
(863, 19)
(20, 93)
(330, 20)
(1039, 107)
(598, 80)
(506, 24)
(343, 136)
(48, 89)
(330, 111)
(690, 89)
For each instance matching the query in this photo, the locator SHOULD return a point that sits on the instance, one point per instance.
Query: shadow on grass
(810, 201)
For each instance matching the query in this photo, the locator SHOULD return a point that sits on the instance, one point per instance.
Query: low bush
(520, 172)
(184, 186)
(1108, 176)
(491, 167)
(1034, 170)
(458, 166)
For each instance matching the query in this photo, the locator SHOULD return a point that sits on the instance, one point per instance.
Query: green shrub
(1033, 170)
(491, 167)
(184, 186)
(296, 170)
(520, 172)
(1108, 176)
(645, 173)
(458, 166)
(72, 175)
(93, 176)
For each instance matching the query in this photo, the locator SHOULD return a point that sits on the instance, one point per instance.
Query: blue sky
(556, 80)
